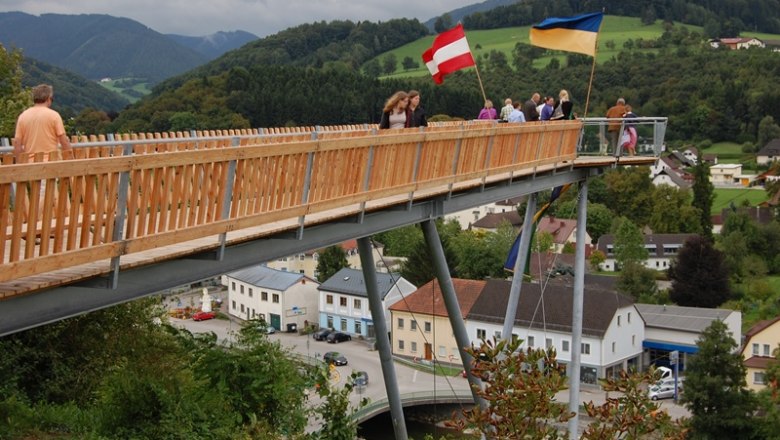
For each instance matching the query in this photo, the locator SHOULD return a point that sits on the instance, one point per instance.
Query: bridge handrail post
(488, 154)
(227, 198)
(456, 159)
(367, 177)
(4, 143)
(538, 151)
(416, 168)
(121, 213)
(306, 186)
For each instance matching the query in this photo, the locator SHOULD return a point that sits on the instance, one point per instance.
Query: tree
(389, 63)
(703, 196)
(14, 99)
(331, 260)
(767, 130)
(630, 193)
(699, 276)
(629, 244)
(442, 23)
(596, 258)
(637, 281)
(599, 218)
(373, 68)
(672, 212)
(715, 394)
(408, 63)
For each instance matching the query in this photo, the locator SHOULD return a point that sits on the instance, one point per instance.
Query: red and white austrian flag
(450, 52)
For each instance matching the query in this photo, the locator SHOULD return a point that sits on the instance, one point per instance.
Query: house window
(767, 352)
(233, 285)
(585, 348)
(254, 313)
(261, 316)
(275, 298)
(548, 343)
(358, 328)
(329, 299)
(530, 341)
(400, 323)
(251, 293)
(242, 289)
(414, 347)
(414, 324)
(234, 305)
(455, 353)
(497, 334)
(343, 324)
(442, 351)
(613, 347)
(343, 301)
(755, 349)
(427, 327)
(565, 346)
(264, 296)
(301, 257)
(481, 333)
(242, 308)
(400, 345)
(633, 340)
(758, 378)
(330, 322)
(357, 304)
(618, 320)
(629, 317)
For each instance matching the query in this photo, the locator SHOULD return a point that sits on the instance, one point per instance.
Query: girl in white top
(394, 115)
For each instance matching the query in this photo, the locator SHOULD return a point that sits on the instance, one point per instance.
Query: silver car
(661, 392)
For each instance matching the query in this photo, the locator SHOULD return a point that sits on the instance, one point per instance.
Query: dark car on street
(337, 337)
(335, 358)
(321, 334)
(361, 378)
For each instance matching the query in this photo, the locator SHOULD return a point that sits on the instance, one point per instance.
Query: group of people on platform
(535, 109)
(403, 110)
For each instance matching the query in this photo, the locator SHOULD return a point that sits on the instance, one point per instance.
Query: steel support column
(520, 262)
(576, 315)
(382, 338)
(451, 303)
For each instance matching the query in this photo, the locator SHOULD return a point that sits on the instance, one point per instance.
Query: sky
(260, 17)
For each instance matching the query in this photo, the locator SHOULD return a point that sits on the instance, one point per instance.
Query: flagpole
(592, 70)
(484, 96)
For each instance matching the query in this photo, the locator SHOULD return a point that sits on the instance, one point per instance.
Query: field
(725, 196)
(131, 88)
(615, 29)
(731, 152)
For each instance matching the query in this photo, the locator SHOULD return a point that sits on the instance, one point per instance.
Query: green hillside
(615, 31)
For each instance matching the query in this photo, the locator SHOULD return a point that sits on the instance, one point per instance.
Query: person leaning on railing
(39, 129)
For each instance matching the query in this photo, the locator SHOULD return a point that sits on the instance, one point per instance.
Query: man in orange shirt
(39, 129)
(613, 130)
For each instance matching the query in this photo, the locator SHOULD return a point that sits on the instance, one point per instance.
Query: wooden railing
(120, 196)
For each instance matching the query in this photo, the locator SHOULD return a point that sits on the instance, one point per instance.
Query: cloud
(261, 17)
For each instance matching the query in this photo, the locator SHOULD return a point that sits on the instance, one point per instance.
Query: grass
(614, 29)
(725, 196)
(724, 148)
(141, 88)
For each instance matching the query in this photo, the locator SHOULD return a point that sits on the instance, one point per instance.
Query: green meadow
(724, 197)
(614, 29)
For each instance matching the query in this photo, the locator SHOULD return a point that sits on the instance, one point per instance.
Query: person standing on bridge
(394, 114)
(487, 112)
(39, 129)
(416, 112)
(613, 128)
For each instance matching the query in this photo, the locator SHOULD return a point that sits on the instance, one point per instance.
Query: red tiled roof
(759, 327)
(493, 221)
(761, 362)
(428, 299)
(560, 228)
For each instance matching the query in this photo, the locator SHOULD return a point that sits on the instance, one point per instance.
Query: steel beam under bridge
(47, 306)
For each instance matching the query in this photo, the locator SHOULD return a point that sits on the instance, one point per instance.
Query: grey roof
(676, 178)
(351, 282)
(687, 319)
(494, 220)
(262, 276)
(772, 148)
(599, 307)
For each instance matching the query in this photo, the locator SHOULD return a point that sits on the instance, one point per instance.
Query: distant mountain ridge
(97, 46)
(214, 45)
(458, 14)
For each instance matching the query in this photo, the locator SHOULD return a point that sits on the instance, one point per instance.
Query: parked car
(336, 337)
(270, 330)
(335, 358)
(361, 378)
(321, 334)
(670, 382)
(203, 316)
(660, 392)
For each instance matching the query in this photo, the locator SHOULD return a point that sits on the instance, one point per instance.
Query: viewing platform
(131, 215)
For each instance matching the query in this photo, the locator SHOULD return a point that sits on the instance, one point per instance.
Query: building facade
(758, 351)
(661, 248)
(306, 263)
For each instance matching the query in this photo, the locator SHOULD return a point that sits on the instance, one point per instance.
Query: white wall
(627, 336)
(301, 295)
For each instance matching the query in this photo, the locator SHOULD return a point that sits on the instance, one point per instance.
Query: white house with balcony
(343, 300)
(285, 300)
(725, 174)
(661, 249)
(613, 329)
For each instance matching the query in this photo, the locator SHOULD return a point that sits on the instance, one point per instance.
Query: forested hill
(214, 45)
(720, 18)
(457, 15)
(314, 45)
(97, 46)
(73, 92)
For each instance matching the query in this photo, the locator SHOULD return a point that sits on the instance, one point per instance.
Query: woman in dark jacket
(564, 109)
(416, 113)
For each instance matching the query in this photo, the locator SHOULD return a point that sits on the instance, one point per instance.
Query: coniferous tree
(703, 196)
(715, 394)
(700, 278)
(332, 260)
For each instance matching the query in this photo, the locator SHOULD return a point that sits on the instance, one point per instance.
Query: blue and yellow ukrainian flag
(572, 34)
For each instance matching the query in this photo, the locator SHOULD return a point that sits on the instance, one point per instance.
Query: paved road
(361, 358)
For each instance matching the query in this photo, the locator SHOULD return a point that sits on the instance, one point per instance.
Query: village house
(612, 329)
(421, 328)
(468, 217)
(758, 351)
(285, 300)
(661, 248)
(491, 222)
(343, 300)
(737, 43)
(563, 231)
(770, 152)
(671, 328)
(306, 262)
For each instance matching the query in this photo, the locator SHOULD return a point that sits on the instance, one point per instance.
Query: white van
(664, 373)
